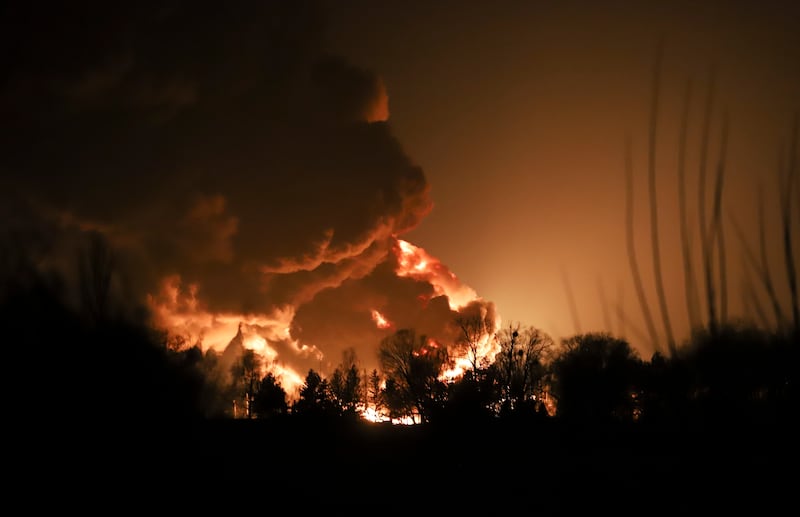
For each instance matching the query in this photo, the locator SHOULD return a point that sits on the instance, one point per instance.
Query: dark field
(540, 468)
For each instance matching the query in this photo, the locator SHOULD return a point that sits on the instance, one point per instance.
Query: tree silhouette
(245, 375)
(215, 395)
(519, 366)
(315, 398)
(374, 392)
(474, 330)
(398, 402)
(269, 399)
(92, 363)
(474, 397)
(412, 366)
(594, 379)
(740, 374)
(345, 384)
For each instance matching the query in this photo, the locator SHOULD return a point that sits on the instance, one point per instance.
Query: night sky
(518, 112)
(256, 163)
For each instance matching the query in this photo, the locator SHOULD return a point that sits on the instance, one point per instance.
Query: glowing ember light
(177, 309)
(415, 262)
(380, 320)
(259, 345)
(289, 379)
(371, 415)
(463, 363)
(407, 420)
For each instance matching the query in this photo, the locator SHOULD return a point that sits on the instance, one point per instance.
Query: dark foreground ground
(304, 468)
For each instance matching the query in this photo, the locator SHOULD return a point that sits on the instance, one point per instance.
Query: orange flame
(415, 262)
(380, 320)
(487, 346)
(178, 310)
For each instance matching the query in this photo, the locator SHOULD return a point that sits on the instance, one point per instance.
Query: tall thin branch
(765, 271)
(797, 185)
(759, 265)
(701, 199)
(751, 300)
(621, 305)
(716, 235)
(634, 263)
(662, 298)
(723, 274)
(689, 282)
(786, 222)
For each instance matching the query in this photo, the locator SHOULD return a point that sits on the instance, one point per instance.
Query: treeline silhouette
(107, 364)
(737, 375)
(97, 386)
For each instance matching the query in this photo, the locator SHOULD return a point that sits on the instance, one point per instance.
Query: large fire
(239, 241)
(179, 309)
(415, 262)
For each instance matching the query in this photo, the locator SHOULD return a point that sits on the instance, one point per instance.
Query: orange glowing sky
(518, 112)
(320, 174)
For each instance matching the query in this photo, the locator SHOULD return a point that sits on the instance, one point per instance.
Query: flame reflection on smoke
(416, 263)
(179, 308)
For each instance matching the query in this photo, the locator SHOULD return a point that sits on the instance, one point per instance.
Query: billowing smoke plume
(244, 177)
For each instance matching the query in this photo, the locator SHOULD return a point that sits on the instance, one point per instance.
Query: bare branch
(701, 194)
(662, 298)
(690, 284)
(634, 264)
(716, 235)
(786, 220)
(759, 264)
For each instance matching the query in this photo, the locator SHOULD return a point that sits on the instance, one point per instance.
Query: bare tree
(519, 365)
(412, 365)
(475, 329)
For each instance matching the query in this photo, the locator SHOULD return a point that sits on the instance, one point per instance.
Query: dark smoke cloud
(342, 317)
(216, 142)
